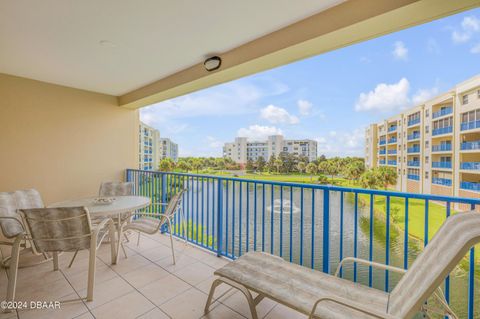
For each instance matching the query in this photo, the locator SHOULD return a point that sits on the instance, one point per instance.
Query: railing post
(164, 198)
(219, 216)
(326, 231)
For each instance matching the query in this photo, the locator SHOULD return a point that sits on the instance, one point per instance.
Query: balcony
(470, 166)
(392, 128)
(470, 186)
(414, 136)
(442, 181)
(470, 146)
(392, 152)
(382, 152)
(413, 177)
(465, 126)
(442, 165)
(442, 112)
(414, 149)
(442, 130)
(444, 147)
(413, 163)
(382, 162)
(382, 142)
(392, 140)
(414, 122)
(392, 163)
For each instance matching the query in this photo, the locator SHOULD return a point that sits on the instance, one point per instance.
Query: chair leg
(55, 260)
(13, 271)
(124, 251)
(73, 259)
(210, 295)
(170, 230)
(91, 270)
(111, 234)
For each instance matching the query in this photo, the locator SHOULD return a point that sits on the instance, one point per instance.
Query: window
(465, 99)
(427, 112)
(426, 144)
(426, 175)
(426, 159)
(427, 129)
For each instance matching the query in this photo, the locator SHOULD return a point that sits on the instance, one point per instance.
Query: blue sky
(331, 97)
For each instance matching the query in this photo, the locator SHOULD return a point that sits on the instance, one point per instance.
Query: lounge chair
(321, 295)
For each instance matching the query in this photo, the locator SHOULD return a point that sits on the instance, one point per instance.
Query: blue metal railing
(382, 162)
(470, 125)
(442, 181)
(392, 128)
(442, 112)
(381, 152)
(382, 142)
(442, 147)
(413, 136)
(309, 224)
(413, 163)
(413, 149)
(392, 140)
(470, 165)
(442, 164)
(413, 177)
(471, 186)
(392, 162)
(442, 130)
(392, 151)
(468, 146)
(414, 121)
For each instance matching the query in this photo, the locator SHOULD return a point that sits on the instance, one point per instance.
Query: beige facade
(435, 146)
(148, 147)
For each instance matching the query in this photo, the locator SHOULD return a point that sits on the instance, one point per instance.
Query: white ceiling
(58, 41)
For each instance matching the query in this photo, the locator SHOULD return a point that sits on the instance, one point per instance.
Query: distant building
(168, 149)
(148, 155)
(243, 150)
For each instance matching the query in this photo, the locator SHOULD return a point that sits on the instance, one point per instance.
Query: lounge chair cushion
(300, 287)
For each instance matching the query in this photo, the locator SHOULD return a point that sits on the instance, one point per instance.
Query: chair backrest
(10, 202)
(58, 229)
(449, 245)
(174, 203)
(116, 189)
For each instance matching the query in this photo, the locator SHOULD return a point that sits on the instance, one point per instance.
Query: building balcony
(414, 122)
(392, 128)
(465, 126)
(414, 136)
(382, 162)
(442, 165)
(382, 142)
(475, 166)
(392, 163)
(392, 152)
(414, 149)
(442, 147)
(443, 112)
(470, 186)
(413, 163)
(442, 181)
(413, 177)
(470, 146)
(392, 140)
(442, 130)
(382, 152)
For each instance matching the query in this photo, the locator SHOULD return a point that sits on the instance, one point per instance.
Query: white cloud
(304, 107)
(400, 51)
(385, 97)
(469, 26)
(275, 114)
(214, 142)
(347, 143)
(258, 132)
(423, 95)
(475, 49)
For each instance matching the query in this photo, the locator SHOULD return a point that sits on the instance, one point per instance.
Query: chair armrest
(369, 263)
(11, 226)
(352, 305)
(153, 215)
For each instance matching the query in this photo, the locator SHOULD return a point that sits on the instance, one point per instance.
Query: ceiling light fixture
(213, 63)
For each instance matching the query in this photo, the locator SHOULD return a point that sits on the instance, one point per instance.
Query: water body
(289, 222)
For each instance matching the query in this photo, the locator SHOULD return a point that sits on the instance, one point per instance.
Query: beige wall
(62, 141)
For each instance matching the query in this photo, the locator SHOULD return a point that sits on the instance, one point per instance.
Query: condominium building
(148, 154)
(168, 149)
(435, 146)
(242, 150)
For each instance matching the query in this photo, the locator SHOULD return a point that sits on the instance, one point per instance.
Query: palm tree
(386, 176)
(369, 179)
(278, 164)
(311, 169)
(166, 165)
(301, 166)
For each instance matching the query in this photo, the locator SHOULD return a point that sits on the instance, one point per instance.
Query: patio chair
(150, 223)
(10, 203)
(321, 295)
(54, 230)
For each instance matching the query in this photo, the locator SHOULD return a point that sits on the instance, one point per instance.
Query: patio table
(117, 209)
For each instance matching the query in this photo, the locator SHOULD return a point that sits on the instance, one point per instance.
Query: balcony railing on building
(392, 140)
(413, 149)
(442, 130)
(413, 163)
(443, 164)
(443, 147)
(414, 177)
(382, 162)
(442, 112)
(413, 121)
(413, 136)
(382, 152)
(469, 146)
(470, 125)
(382, 142)
(392, 128)
(392, 152)
(471, 186)
(442, 181)
(392, 162)
(308, 224)
(470, 165)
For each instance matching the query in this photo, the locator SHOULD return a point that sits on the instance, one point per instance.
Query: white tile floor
(145, 285)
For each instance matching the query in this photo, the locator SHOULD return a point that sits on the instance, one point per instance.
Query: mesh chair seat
(146, 225)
